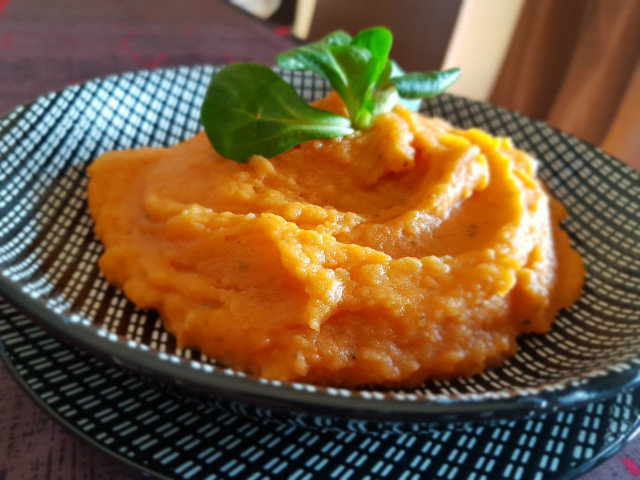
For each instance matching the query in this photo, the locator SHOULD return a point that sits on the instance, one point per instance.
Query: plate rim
(284, 396)
(60, 420)
(585, 467)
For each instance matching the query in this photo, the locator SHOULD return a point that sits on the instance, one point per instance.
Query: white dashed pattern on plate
(48, 254)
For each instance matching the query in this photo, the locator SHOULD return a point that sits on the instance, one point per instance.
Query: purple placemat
(46, 46)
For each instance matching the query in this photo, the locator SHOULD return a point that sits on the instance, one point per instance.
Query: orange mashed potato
(410, 251)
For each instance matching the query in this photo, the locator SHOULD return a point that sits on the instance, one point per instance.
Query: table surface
(47, 46)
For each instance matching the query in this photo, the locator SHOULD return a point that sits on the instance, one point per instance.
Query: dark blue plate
(169, 432)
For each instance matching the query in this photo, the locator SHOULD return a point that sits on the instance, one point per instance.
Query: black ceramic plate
(166, 431)
(48, 255)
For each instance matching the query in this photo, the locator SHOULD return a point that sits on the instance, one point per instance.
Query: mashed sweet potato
(410, 251)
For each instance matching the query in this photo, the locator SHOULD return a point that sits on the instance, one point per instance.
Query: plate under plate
(168, 432)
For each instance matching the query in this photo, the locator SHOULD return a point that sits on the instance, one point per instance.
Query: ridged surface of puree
(410, 251)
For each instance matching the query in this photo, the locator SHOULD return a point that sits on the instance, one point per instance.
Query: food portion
(374, 246)
(409, 251)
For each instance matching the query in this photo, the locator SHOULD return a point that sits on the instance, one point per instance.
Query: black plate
(48, 256)
(167, 432)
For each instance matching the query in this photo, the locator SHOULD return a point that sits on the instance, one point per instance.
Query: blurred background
(572, 63)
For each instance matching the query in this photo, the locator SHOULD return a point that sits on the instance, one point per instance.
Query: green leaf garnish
(352, 68)
(425, 85)
(249, 110)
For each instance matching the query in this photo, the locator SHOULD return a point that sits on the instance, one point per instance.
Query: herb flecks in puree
(405, 251)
